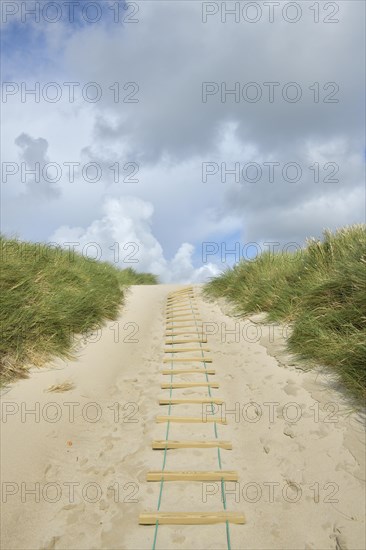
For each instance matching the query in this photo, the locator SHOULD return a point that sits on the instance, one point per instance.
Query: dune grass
(47, 296)
(321, 290)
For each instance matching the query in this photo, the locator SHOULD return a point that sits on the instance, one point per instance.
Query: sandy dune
(74, 471)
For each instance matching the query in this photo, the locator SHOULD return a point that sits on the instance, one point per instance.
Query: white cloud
(169, 133)
(123, 236)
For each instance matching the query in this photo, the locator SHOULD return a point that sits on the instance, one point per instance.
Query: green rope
(165, 450)
(164, 460)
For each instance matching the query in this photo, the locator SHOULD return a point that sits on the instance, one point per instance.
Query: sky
(178, 137)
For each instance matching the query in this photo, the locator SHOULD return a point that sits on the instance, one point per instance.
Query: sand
(298, 444)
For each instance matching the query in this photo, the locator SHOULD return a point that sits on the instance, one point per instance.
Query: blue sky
(168, 133)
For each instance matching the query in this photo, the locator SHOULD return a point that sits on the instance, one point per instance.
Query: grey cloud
(172, 52)
(34, 151)
(170, 132)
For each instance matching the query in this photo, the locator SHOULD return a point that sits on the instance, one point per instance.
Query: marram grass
(320, 290)
(47, 296)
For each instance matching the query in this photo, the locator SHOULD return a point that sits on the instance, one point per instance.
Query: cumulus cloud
(170, 132)
(123, 236)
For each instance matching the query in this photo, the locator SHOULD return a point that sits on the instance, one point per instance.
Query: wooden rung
(198, 328)
(180, 297)
(187, 360)
(193, 329)
(183, 323)
(186, 341)
(189, 300)
(182, 350)
(181, 291)
(173, 324)
(187, 444)
(183, 298)
(183, 328)
(189, 385)
(185, 311)
(187, 307)
(187, 371)
(190, 419)
(184, 316)
(187, 314)
(182, 332)
(168, 475)
(191, 518)
(181, 304)
(188, 400)
(188, 333)
(173, 295)
(178, 329)
(175, 327)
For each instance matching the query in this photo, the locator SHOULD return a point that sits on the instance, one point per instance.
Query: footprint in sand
(74, 512)
(339, 539)
(92, 470)
(276, 532)
(51, 471)
(103, 505)
(110, 470)
(265, 445)
(322, 431)
(291, 388)
(289, 432)
(51, 544)
(108, 444)
(68, 507)
(197, 453)
(179, 540)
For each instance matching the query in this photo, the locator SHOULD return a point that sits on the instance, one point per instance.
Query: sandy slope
(298, 449)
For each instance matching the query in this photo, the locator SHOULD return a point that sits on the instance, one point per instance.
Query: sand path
(74, 472)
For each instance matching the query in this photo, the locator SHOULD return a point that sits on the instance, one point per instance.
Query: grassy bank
(47, 296)
(320, 290)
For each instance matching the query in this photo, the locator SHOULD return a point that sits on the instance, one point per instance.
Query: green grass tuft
(47, 296)
(321, 290)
